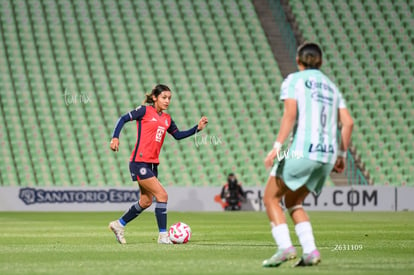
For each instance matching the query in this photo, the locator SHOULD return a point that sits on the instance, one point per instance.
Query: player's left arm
(288, 121)
(347, 125)
(177, 134)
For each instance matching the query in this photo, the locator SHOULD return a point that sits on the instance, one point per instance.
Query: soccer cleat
(310, 259)
(281, 256)
(164, 238)
(118, 230)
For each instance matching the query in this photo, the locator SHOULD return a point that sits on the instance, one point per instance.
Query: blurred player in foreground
(313, 106)
(152, 126)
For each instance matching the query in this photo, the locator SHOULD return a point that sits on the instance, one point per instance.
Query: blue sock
(161, 215)
(131, 214)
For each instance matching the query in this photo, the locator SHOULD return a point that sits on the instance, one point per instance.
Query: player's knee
(266, 200)
(269, 199)
(273, 195)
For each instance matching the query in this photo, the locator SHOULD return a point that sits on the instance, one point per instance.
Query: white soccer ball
(179, 233)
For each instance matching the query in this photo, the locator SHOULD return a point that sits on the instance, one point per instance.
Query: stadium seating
(366, 44)
(70, 68)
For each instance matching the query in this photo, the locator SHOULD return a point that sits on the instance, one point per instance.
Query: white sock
(281, 235)
(305, 235)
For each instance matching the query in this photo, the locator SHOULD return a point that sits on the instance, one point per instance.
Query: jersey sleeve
(287, 90)
(342, 103)
(135, 114)
(177, 134)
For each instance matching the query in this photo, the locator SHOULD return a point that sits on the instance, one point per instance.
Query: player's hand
(339, 166)
(114, 144)
(270, 158)
(202, 123)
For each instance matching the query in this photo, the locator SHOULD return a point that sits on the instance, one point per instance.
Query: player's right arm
(288, 121)
(136, 114)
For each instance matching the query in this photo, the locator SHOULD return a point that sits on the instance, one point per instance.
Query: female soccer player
(312, 107)
(152, 126)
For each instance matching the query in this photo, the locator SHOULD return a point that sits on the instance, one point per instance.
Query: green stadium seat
(377, 34)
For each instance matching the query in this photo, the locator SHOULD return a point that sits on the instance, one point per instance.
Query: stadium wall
(350, 198)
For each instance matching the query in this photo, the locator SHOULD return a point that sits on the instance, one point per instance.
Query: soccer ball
(179, 233)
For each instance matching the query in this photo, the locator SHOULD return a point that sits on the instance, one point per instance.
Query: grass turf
(222, 243)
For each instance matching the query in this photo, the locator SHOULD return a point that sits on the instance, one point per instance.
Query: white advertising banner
(405, 197)
(354, 198)
(350, 198)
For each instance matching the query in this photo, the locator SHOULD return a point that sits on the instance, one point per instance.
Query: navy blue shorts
(143, 170)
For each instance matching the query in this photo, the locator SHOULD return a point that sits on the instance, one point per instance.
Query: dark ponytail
(310, 55)
(156, 91)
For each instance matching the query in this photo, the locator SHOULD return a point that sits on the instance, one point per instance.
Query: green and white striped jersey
(318, 100)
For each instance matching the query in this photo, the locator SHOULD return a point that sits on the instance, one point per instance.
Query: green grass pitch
(222, 243)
